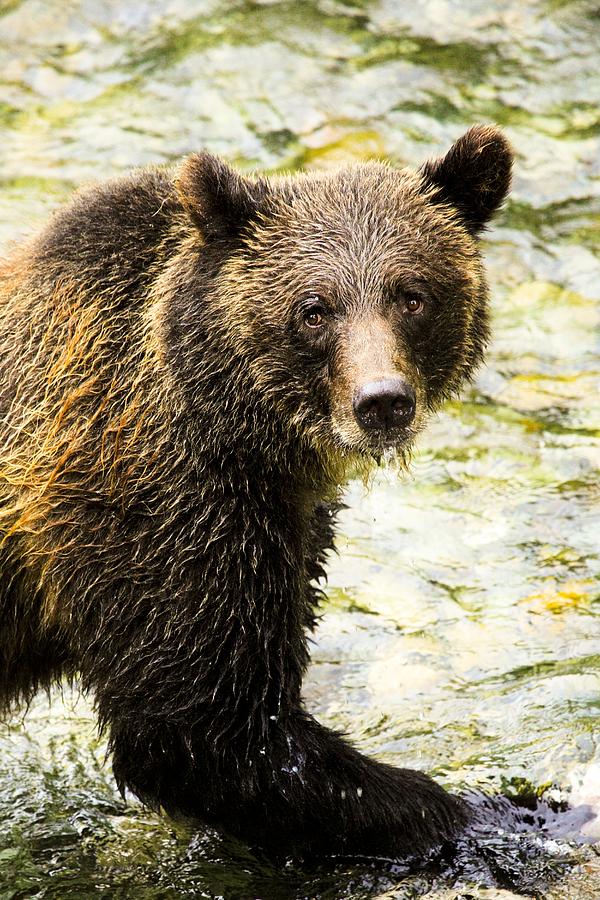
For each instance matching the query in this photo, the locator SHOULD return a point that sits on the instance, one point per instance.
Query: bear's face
(366, 308)
(357, 299)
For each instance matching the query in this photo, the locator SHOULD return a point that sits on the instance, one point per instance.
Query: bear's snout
(385, 404)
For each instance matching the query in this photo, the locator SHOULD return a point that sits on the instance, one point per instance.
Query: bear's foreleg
(304, 792)
(206, 720)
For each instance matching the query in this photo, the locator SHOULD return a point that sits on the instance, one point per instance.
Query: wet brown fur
(171, 448)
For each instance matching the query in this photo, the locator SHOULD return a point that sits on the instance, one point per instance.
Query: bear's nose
(384, 404)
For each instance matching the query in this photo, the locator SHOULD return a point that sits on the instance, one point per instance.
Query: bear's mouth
(391, 445)
(384, 444)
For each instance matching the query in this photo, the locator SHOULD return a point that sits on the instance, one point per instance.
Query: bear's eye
(314, 315)
(414, 305)
(314, 318)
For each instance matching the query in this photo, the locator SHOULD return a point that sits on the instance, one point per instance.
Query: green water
(462, 632)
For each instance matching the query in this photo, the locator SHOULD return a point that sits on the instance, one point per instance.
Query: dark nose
(384, 404)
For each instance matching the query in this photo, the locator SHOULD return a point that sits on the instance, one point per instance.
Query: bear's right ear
(218, 200)
(474, 175)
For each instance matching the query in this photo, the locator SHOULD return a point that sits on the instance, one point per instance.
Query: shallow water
(462, 630)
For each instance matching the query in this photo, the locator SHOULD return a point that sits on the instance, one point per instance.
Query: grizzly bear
(190, 368)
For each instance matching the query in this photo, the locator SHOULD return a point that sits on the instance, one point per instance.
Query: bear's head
(355, 300)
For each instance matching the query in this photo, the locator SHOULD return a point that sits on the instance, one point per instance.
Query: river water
(462, 629)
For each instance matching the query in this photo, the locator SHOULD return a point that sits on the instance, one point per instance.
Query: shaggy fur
(172, 440)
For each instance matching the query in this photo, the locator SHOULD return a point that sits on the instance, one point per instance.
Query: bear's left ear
(474, 175)
(219, 201)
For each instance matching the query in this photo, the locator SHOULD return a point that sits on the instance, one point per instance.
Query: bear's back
(82, 281)
(109, 235)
